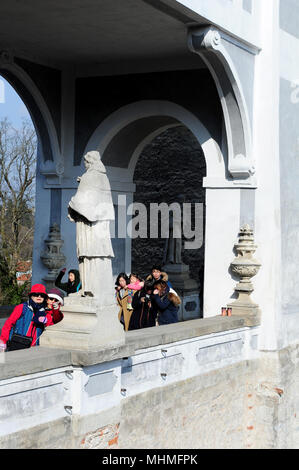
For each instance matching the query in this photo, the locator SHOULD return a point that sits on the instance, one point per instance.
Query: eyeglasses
(39, 294)
(51, 298)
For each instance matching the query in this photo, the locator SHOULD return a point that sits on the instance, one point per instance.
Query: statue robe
(92, 209)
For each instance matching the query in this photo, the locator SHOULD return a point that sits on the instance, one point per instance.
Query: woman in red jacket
(28, 319)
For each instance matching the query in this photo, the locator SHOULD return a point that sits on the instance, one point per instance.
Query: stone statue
(90, 320)
(173, 246)
(91, 208)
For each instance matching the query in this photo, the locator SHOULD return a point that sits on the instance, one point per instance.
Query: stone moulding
(53, 168)
(245, 266)
(209, 44)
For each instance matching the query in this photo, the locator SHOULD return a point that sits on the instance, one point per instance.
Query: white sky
(11, 105)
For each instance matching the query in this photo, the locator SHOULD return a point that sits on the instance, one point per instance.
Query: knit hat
(57, 294)
(38, 289)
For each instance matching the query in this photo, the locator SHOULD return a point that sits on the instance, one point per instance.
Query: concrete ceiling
(93, 31)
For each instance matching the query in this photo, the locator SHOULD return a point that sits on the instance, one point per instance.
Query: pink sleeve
(138, 286)
(135, 286)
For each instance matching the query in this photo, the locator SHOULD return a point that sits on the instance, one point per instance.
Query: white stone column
(266, 151)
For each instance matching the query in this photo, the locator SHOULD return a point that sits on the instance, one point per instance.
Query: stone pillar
(88, 325)
(245, 266)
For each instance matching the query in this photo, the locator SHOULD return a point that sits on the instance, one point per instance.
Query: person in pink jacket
(135, 284)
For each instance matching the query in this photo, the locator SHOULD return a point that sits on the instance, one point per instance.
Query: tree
(17, 178)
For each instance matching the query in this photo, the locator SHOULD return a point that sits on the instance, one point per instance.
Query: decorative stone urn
(52, 257)
(245, 266)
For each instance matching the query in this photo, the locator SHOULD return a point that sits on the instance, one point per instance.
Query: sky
(11, 105)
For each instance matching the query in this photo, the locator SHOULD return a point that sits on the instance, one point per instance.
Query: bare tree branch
(17, 177)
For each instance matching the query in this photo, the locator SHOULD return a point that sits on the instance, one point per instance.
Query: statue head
(92, 161)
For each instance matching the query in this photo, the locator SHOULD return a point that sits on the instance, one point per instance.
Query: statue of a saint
(173, 244)
(91, 208)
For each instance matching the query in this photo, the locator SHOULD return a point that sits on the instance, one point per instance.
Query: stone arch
(146, 119)
(121, 137)
(50, 159)
(209, 44)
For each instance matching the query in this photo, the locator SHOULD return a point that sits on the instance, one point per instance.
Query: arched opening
(170, 169)
(121, 138)
(49, 160)
(18, 156)
(126, 141)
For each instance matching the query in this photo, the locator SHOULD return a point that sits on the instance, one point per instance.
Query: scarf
(38, 310)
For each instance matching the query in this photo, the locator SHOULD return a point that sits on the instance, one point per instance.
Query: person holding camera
(54, 302)
(136, 283)
(144, 310)
(121, 294)
(167, 302)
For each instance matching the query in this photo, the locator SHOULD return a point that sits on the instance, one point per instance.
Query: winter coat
(143, 316)
(168, 306)
(56, 315)
(163, 277)
(124, 314)
(69, 287)
(21, 322)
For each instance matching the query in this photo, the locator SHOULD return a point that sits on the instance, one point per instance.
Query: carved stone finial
(52, 258)
(245, 266)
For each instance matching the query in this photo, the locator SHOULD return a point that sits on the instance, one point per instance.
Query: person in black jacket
(167, 302)
(72, 285)
(144, 310)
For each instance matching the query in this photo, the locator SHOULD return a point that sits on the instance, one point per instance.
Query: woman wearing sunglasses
(27, 322)
(54, 302)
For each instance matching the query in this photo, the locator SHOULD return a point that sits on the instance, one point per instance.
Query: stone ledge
(166, 334)
(89, 358)
(33, 360)
(40, 359)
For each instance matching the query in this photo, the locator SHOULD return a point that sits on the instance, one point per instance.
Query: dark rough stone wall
(171, 165)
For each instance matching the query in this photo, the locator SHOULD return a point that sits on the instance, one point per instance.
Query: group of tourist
(146, 302)
(143, 303)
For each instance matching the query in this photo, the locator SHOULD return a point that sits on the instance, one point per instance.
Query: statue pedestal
(87, 325)
(186, 288)
(244, 305)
